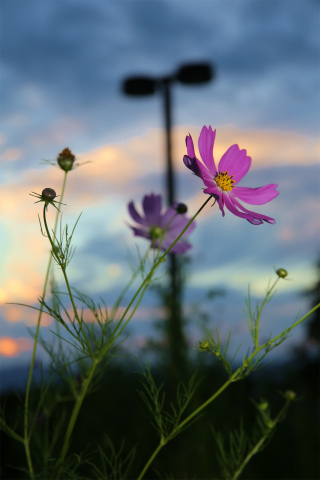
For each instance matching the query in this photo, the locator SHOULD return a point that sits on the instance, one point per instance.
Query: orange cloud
(11, 154)
(27, 316)
(142, 314)
(11, 347)
(25, 289)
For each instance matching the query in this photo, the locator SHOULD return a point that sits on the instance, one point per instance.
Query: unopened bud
(290, 395)
(282, 273)
(204, 345)
(48, 194)
(66, 159)
(270, 424)
(263, 405)
(181, 208)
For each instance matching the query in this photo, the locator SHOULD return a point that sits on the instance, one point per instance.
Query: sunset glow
(11, 347)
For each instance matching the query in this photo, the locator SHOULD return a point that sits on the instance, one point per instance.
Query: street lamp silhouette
(190, 74)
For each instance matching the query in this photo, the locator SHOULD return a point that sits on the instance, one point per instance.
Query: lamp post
(190, 74)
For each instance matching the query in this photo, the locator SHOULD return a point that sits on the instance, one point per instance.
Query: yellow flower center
(224, 181)
(155, 232)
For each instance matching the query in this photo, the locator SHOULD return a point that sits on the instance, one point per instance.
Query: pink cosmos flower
(162, 228)
(222, 183)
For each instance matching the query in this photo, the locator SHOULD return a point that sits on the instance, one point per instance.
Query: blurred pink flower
(161, 228)
(222, 183)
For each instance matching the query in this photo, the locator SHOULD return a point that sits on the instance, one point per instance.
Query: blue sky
(62, 66)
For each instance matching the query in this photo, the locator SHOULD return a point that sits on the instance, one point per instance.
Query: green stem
(256, 448)
(74, 417)
(36, 336)
(294, 325)
(63, 268)
(256, 341)
(153, 456)
(206, 403)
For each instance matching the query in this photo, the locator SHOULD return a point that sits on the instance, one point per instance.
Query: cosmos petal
(229, 202)
(152, 207)
(135, 215)
(192, 164)
(256, 196)
(205, 143)
(140, 232)
(177, 227)
(180, 247)
(265, 218)
(236, 162)
(216, 192)
(190, 147)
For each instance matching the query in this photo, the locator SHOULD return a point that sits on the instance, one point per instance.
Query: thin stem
(36, 336)
(256, 448)
(74, 416)
(153, 456)
(256, 341)
(294, 325)
(63, 268)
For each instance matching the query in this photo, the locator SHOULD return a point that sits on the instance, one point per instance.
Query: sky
(62, 66)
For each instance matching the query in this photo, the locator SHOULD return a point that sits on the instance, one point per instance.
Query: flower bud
(264, 405)
(204, 345)
(290, 395)
(282, 273)
(55, 249)
(66, 159)
(48, 194)
(270, 424)
(181, 208)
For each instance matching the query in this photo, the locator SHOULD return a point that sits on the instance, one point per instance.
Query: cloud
(10, 155)
(11, 347)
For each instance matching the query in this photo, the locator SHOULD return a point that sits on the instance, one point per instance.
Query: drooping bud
(66, 159)
(181, 208)
(282, 273)
(48, 194)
